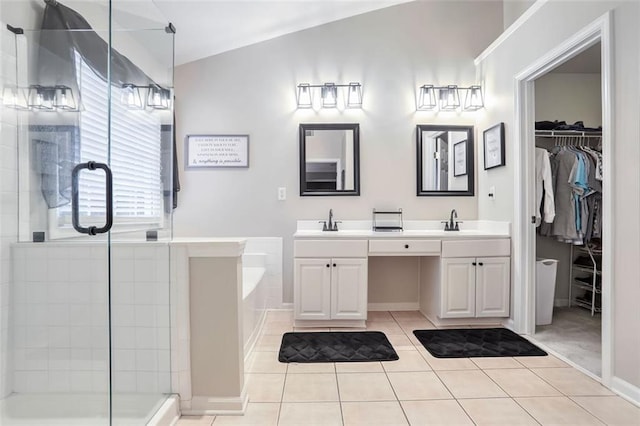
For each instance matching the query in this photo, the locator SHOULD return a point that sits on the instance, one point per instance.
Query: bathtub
(253, 297)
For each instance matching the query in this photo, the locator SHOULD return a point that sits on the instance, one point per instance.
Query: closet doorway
(525, 231)
(569, 186)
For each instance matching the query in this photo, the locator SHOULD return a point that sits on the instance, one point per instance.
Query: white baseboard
(168, 413)
(210, 406)
(561, 303)
(284, 307)
(401, 306)
(626, 390)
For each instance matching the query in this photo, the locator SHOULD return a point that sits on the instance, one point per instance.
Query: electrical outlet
(492, 192)
(282, 194)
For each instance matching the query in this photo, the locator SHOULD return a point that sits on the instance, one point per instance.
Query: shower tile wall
(8, 205)
(272, 248)
(61, 335)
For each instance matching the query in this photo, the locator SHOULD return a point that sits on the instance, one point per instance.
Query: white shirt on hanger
(544, 180)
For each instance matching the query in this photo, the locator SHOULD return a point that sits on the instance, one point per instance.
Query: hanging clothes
(544, 188)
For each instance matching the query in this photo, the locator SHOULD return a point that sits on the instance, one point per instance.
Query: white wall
(513, 9)
(553, 23)
(569, 97)
(252, 90)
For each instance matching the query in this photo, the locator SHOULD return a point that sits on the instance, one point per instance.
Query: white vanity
(464, 275)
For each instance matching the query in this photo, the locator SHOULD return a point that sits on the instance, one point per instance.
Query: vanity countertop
(412, 229)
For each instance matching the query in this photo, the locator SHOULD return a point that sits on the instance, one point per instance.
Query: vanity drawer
(330, 248)
(475, 248)
(404, 247)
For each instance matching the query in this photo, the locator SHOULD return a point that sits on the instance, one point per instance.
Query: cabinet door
(492, 286)
(458, 288)
(311, 289)
(349, 289)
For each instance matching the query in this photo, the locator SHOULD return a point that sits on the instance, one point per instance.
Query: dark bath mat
(476, 342)
(360, 346)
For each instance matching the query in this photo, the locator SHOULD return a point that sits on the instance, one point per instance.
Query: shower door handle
(75, 197)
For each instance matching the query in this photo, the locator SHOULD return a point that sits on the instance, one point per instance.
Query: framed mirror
(445, 160)
(329, 159)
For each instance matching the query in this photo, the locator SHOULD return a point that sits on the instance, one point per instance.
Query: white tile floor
(418, 389)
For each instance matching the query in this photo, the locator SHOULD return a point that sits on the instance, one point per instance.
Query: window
(134, 158)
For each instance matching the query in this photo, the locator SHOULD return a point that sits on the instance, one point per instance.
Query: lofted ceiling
(209, 27)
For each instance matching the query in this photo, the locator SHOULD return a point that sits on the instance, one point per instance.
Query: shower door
(89, 295)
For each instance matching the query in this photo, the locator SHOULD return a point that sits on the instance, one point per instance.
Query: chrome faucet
(332, 225)
(450, 225)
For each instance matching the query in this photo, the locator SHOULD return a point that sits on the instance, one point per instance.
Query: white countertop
(412, 229)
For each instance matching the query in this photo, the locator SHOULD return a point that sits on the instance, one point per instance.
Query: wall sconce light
(131, 96)
(64, 99)
(449, 98)
(14, 97)
(305, 100)
(330, 95)
(157, 97)
(354, 97)
(39, 98)
(473, 101)
(427, 98)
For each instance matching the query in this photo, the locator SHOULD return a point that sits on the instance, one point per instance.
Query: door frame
(524, 234)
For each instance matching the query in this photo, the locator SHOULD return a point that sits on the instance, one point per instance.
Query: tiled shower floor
(418, 389)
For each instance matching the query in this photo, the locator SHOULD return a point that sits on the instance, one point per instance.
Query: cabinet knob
(473, 263)
(481, 264)
(406, 246)
(334, 265)
(328, 265)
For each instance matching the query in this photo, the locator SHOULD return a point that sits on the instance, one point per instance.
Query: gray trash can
(545, 289)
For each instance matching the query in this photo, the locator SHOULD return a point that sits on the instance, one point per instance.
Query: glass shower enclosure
(87, 107)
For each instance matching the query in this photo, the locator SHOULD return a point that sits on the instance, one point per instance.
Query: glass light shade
(473, 101)
(158, 97)
(131, 97)
(354, 96)
(449, 98)
(64, 99)
(41, 98)
(427, 98)
(329, 95)
(14, 97)
(305, 99)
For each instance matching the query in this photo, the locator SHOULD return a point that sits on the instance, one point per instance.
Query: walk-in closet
(569, 190)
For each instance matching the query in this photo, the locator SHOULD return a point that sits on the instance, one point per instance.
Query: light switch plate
(492, 192)
(282, 194)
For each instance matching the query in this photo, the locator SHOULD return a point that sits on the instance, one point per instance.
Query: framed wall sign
(460, 159)
(216, 151)
(494, 146)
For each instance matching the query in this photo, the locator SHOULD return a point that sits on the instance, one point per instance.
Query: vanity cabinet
(330, 280)
(475, 287)
(476, 278)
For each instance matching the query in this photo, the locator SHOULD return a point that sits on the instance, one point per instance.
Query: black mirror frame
(470, 161)
(355, 127)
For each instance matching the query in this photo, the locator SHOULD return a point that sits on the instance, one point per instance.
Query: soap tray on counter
(387, 221)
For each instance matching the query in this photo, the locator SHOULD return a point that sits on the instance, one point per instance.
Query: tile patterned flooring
(418, 389)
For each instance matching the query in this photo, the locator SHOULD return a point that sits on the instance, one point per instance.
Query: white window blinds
(134, 157)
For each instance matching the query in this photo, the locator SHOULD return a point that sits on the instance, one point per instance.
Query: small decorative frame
(494, 155)
(460, 158)
(216, 151)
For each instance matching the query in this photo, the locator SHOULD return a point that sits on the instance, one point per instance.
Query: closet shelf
(585, 269)
(586, 305)
(587, 287)
(578, 133)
